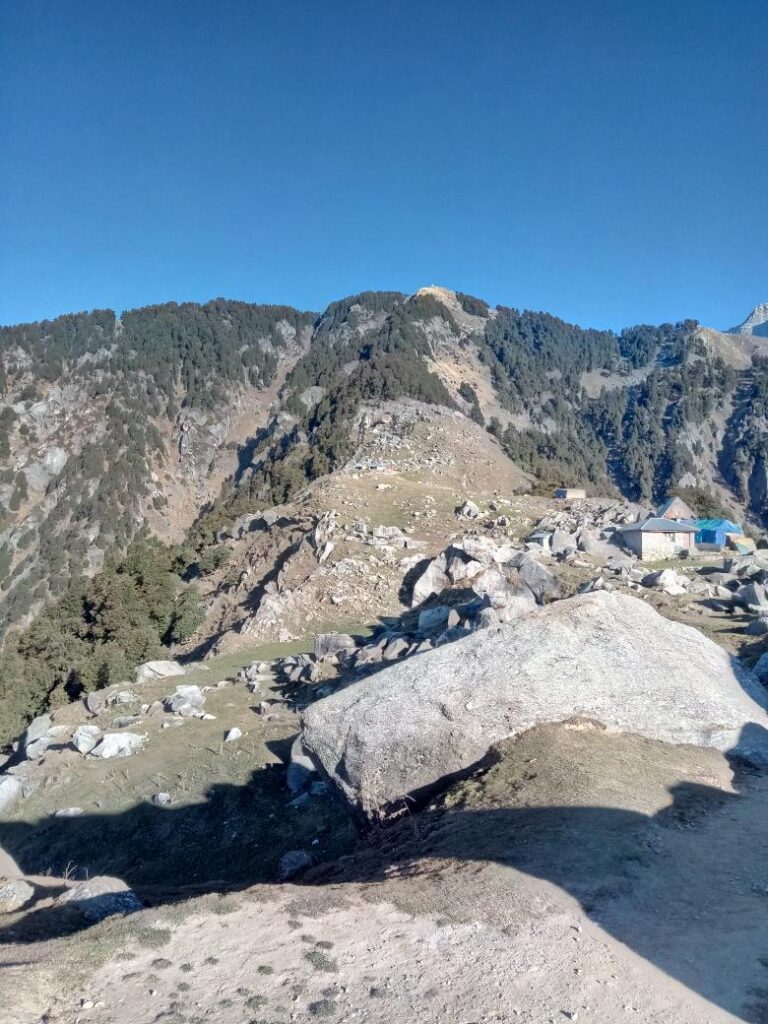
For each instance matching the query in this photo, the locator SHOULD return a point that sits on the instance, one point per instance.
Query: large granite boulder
(150, 671)
(601, 658)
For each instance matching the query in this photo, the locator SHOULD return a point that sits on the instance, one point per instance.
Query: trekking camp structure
(675, 531)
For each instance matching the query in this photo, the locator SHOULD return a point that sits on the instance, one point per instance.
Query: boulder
(118, 744)
(152, 670)
(486, 618)
(85, 738)
(11, 790)
(96, 701)
(233, 734)
(758, 626)
(667, 580)
(761, 668)
(432, 581)
(437, 619)
(562, 543)
(602, 658)
(371, 654)
(37, 737)
(185, 701)
(543, 584)
(460, 569)
(14, 893)
(293, 863)
(479, 549)
(327, 645)
(301, 768)
(751, 595)
(504, 591)
(469, 510)
(101, 897)
(745, 565)
(397, 647)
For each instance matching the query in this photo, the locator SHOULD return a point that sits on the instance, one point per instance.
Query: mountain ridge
(113, 425)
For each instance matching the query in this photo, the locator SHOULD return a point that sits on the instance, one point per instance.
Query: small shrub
(320, 961)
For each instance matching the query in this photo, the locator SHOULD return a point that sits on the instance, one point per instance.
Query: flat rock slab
(599, 657)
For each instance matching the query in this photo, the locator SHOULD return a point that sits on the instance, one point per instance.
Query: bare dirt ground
(584, 877)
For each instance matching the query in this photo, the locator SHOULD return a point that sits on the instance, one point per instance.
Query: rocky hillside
(109, 425)
(193, 424)
(112, 424)
(578, 792)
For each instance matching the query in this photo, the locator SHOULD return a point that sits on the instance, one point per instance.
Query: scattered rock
(69, 812)
(161, 799)
(185, 701)
(469, 510)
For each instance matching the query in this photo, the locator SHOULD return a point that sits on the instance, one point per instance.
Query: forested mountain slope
(109, 424)
(173, 421)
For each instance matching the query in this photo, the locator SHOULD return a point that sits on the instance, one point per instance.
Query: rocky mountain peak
(437, 291)
(755, 323)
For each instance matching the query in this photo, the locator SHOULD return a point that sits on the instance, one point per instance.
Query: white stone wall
(655, 546)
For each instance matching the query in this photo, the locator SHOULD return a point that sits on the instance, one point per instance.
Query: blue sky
(605, 161)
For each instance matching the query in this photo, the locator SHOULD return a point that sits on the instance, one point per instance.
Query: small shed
(570, 493)
(659, 538)
(675, 508)
(715, 532)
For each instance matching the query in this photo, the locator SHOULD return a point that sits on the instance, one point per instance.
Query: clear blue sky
(606, 161)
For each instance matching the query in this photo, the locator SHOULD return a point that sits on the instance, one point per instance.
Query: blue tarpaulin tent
(714, 531)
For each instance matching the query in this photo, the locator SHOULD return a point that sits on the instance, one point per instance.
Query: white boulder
(118, 744)
(10, 791)
(151, 670)
(600, 658)
(86, 737)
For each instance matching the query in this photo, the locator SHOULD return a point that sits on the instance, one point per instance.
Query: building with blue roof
(715, 532)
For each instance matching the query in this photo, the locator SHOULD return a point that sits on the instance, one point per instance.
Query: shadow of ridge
(609, 859)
